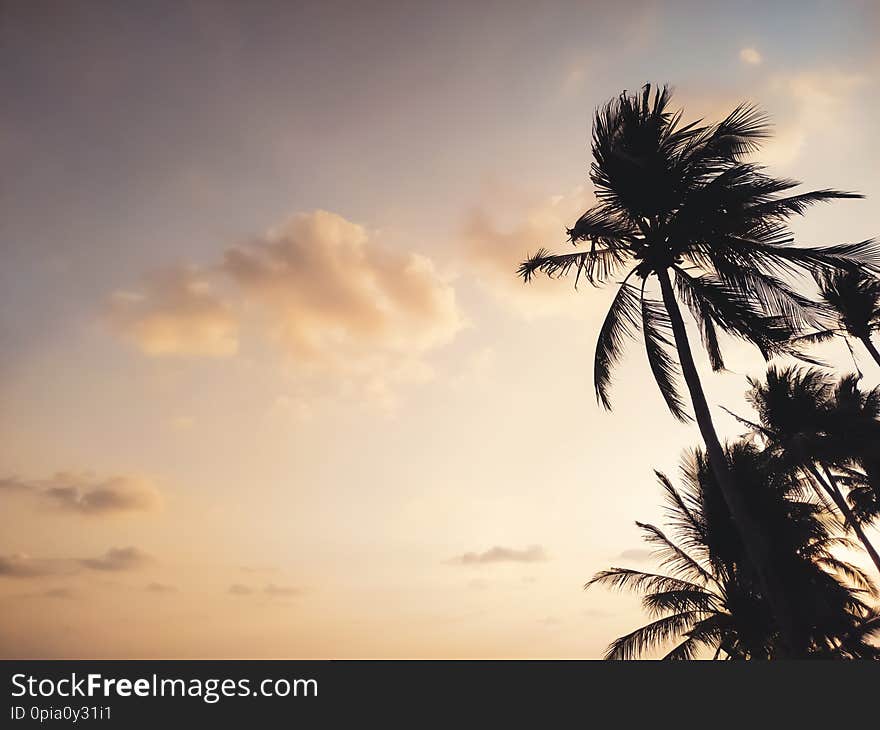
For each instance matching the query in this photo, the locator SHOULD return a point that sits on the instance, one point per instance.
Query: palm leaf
(637, 580)
(620, 323)
(651, 636)
(656, 326)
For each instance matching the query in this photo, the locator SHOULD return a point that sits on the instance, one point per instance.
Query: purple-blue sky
(259, 323)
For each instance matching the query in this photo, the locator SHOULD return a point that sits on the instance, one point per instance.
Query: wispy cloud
(160, 588)
(23, 566)
(638, 555)
(498, 235)
(272, 590)
(87, 494)
(118, 559)
(177, 312)
(114, 560)
(499, 554)
(282, 591)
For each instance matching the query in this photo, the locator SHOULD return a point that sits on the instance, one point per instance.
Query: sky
(269, 385)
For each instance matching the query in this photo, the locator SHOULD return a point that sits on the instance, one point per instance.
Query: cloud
(498, 554)
(177, 313)
(596, 613)
(115, 559)
(271, 590)
(639, 555)
(331, 290)
(88, 495)
(495, 249)
(750, 56)
(160, 588)
(332, 297)
(282, 591)
(118, 559)
(23, 566)
(811, 103)
(63, 593)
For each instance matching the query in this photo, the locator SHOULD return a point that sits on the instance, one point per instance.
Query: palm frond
(595, 264)
(672, 556)
(637, 580)
(735, 311)
(651, 636)
(798, 204)
(620, 323)
(657, 328)
(663, 602)
(838, 257)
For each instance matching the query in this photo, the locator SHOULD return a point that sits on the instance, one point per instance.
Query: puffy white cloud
(330, 294)
(334, 296)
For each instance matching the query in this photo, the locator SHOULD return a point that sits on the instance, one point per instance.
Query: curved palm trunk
(869, 346)
(754, 540)
(834, 492)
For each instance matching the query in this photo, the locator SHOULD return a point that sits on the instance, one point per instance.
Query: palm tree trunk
(869, 346)
(754, 540)
(834, 492)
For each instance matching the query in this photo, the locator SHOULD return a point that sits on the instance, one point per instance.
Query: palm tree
(705, 598)
(855, 423)
(854, 297)
(817, 426)
(682, 202)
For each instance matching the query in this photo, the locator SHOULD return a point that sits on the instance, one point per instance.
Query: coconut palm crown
(829, 430)
(685, 199)
(853, 296)
(704, 600)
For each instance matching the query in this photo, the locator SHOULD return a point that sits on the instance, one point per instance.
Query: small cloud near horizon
(160, 588)
(86, 494)
(118, 559)
(19, 565)
(500, 554)
(282, 591)
(639, 555)
(114, 560)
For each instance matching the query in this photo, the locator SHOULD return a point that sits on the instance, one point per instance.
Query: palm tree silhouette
(683, 200)
(812, 424)
(854, 297)
(706, 598)
(857, 415)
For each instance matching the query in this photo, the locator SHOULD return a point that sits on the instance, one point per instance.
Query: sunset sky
(269, 385)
